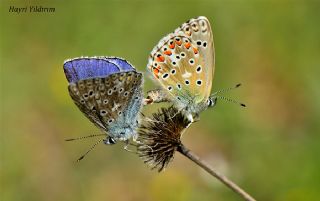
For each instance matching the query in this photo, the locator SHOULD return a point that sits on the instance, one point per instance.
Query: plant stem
(189, 154)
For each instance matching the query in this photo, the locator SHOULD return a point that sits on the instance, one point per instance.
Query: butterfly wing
(101, 87)
(183, 61)
(103, 100)
(199, 29)
(82, 68)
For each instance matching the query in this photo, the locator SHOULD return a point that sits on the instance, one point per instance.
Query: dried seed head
(159, 137)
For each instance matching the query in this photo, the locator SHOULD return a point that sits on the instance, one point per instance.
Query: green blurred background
(271, 148)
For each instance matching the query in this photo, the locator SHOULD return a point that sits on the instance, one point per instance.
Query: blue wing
(94, 67)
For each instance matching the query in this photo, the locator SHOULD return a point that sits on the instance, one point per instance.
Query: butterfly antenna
(91, 148)
(84, 137)
(230, 100)
(226, 90)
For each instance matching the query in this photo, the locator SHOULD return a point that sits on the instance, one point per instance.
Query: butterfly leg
(127, 143)
(135, 139)
(156, 96)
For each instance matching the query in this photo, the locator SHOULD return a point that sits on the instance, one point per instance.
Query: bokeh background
(271, 148)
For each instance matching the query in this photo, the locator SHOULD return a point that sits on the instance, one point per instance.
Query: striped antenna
(91, 148)
(225, 90)
(231, 100)
(84, 137)
(214, 96)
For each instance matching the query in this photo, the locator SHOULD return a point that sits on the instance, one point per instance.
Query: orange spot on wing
(156, 72)
(171, 45)
(179, 42)
(187, 45)
(168, 52)
(195, 50)
(160, 58)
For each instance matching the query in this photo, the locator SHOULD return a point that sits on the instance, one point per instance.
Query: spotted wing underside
(103, 100)
(183, 61)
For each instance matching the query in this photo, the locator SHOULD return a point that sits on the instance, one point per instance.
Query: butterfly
(183, 63)
(108, 91)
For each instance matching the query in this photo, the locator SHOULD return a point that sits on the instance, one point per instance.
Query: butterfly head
(123, 132)
(109, 141)
(192, 111)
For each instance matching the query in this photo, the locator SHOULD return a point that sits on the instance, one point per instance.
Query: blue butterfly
(108, 90)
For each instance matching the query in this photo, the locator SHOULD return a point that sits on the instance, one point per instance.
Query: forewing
(83, 68)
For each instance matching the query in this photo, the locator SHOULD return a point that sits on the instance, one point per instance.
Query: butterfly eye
(109, 140)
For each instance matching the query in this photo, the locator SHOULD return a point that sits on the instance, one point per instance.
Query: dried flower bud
(159, 137)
